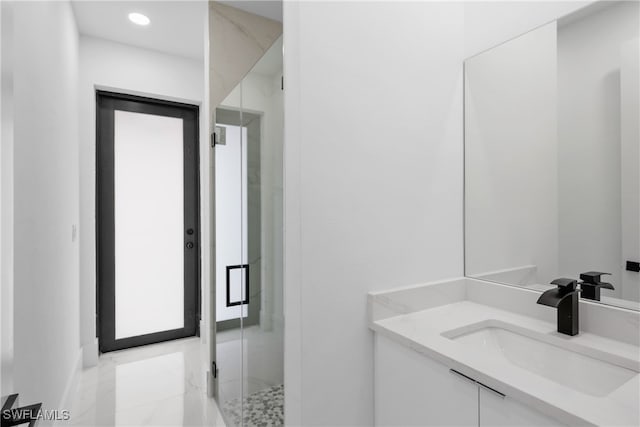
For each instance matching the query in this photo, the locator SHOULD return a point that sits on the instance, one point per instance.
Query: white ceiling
(177, 26)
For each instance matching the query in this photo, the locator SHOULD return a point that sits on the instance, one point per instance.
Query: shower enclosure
(249, 247)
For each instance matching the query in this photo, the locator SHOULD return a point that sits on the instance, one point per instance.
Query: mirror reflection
(552, 156)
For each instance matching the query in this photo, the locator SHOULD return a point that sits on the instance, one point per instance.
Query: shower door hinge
(214, 369)
(219, 136)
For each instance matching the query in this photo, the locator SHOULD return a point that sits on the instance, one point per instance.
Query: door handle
(247, 288)
(486, 387)
(463, 376)
(492, 390)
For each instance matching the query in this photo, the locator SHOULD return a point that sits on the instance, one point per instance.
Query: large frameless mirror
(552, 156)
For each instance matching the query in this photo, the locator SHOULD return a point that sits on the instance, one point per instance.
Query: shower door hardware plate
(219, 136)
(633, 266)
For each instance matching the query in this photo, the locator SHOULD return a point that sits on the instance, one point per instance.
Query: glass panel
(262, 109)
(249, 171)
(231, 220)
(149, 218)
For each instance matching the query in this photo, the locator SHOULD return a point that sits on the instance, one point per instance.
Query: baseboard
(90, 354)
(72, 381)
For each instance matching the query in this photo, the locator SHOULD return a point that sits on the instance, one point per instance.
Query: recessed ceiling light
(139, 19)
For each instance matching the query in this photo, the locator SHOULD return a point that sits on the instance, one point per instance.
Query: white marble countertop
(422, 331)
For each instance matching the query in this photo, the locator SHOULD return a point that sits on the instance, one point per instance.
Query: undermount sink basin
(539, 354)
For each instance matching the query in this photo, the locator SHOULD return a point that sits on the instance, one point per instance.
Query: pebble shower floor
(263, 408)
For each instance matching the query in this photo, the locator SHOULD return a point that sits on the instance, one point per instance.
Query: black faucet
(565, 298)
(592, 284)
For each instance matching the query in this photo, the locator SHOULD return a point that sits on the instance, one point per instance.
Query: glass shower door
(231, 246)
(249, 289)
(263, 338)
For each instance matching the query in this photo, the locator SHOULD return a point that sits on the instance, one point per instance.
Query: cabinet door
(496, 410)
(414, 390)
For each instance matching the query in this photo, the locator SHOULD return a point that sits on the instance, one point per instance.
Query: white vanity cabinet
(413, 390)
(495, 410)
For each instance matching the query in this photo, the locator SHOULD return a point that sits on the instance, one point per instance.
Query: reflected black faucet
(565, 298)
(592, 284)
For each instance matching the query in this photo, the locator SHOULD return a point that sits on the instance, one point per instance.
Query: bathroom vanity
(533, 335)
(469, 352)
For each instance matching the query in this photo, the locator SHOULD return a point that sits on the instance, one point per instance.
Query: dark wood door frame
(106, 104)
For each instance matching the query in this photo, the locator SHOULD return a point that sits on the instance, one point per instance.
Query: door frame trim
(104, 332)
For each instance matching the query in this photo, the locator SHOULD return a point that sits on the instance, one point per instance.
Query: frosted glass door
(149, 218)
(147, 221)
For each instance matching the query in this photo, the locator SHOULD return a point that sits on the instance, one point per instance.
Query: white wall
(6, 305)
(589, 130)
(489, 23)
(46, 340)
(373, 175)
(511, 156)
(373, 184)
(126, 69)
(6, 199)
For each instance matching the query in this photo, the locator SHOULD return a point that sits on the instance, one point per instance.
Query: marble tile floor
(156, 385)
